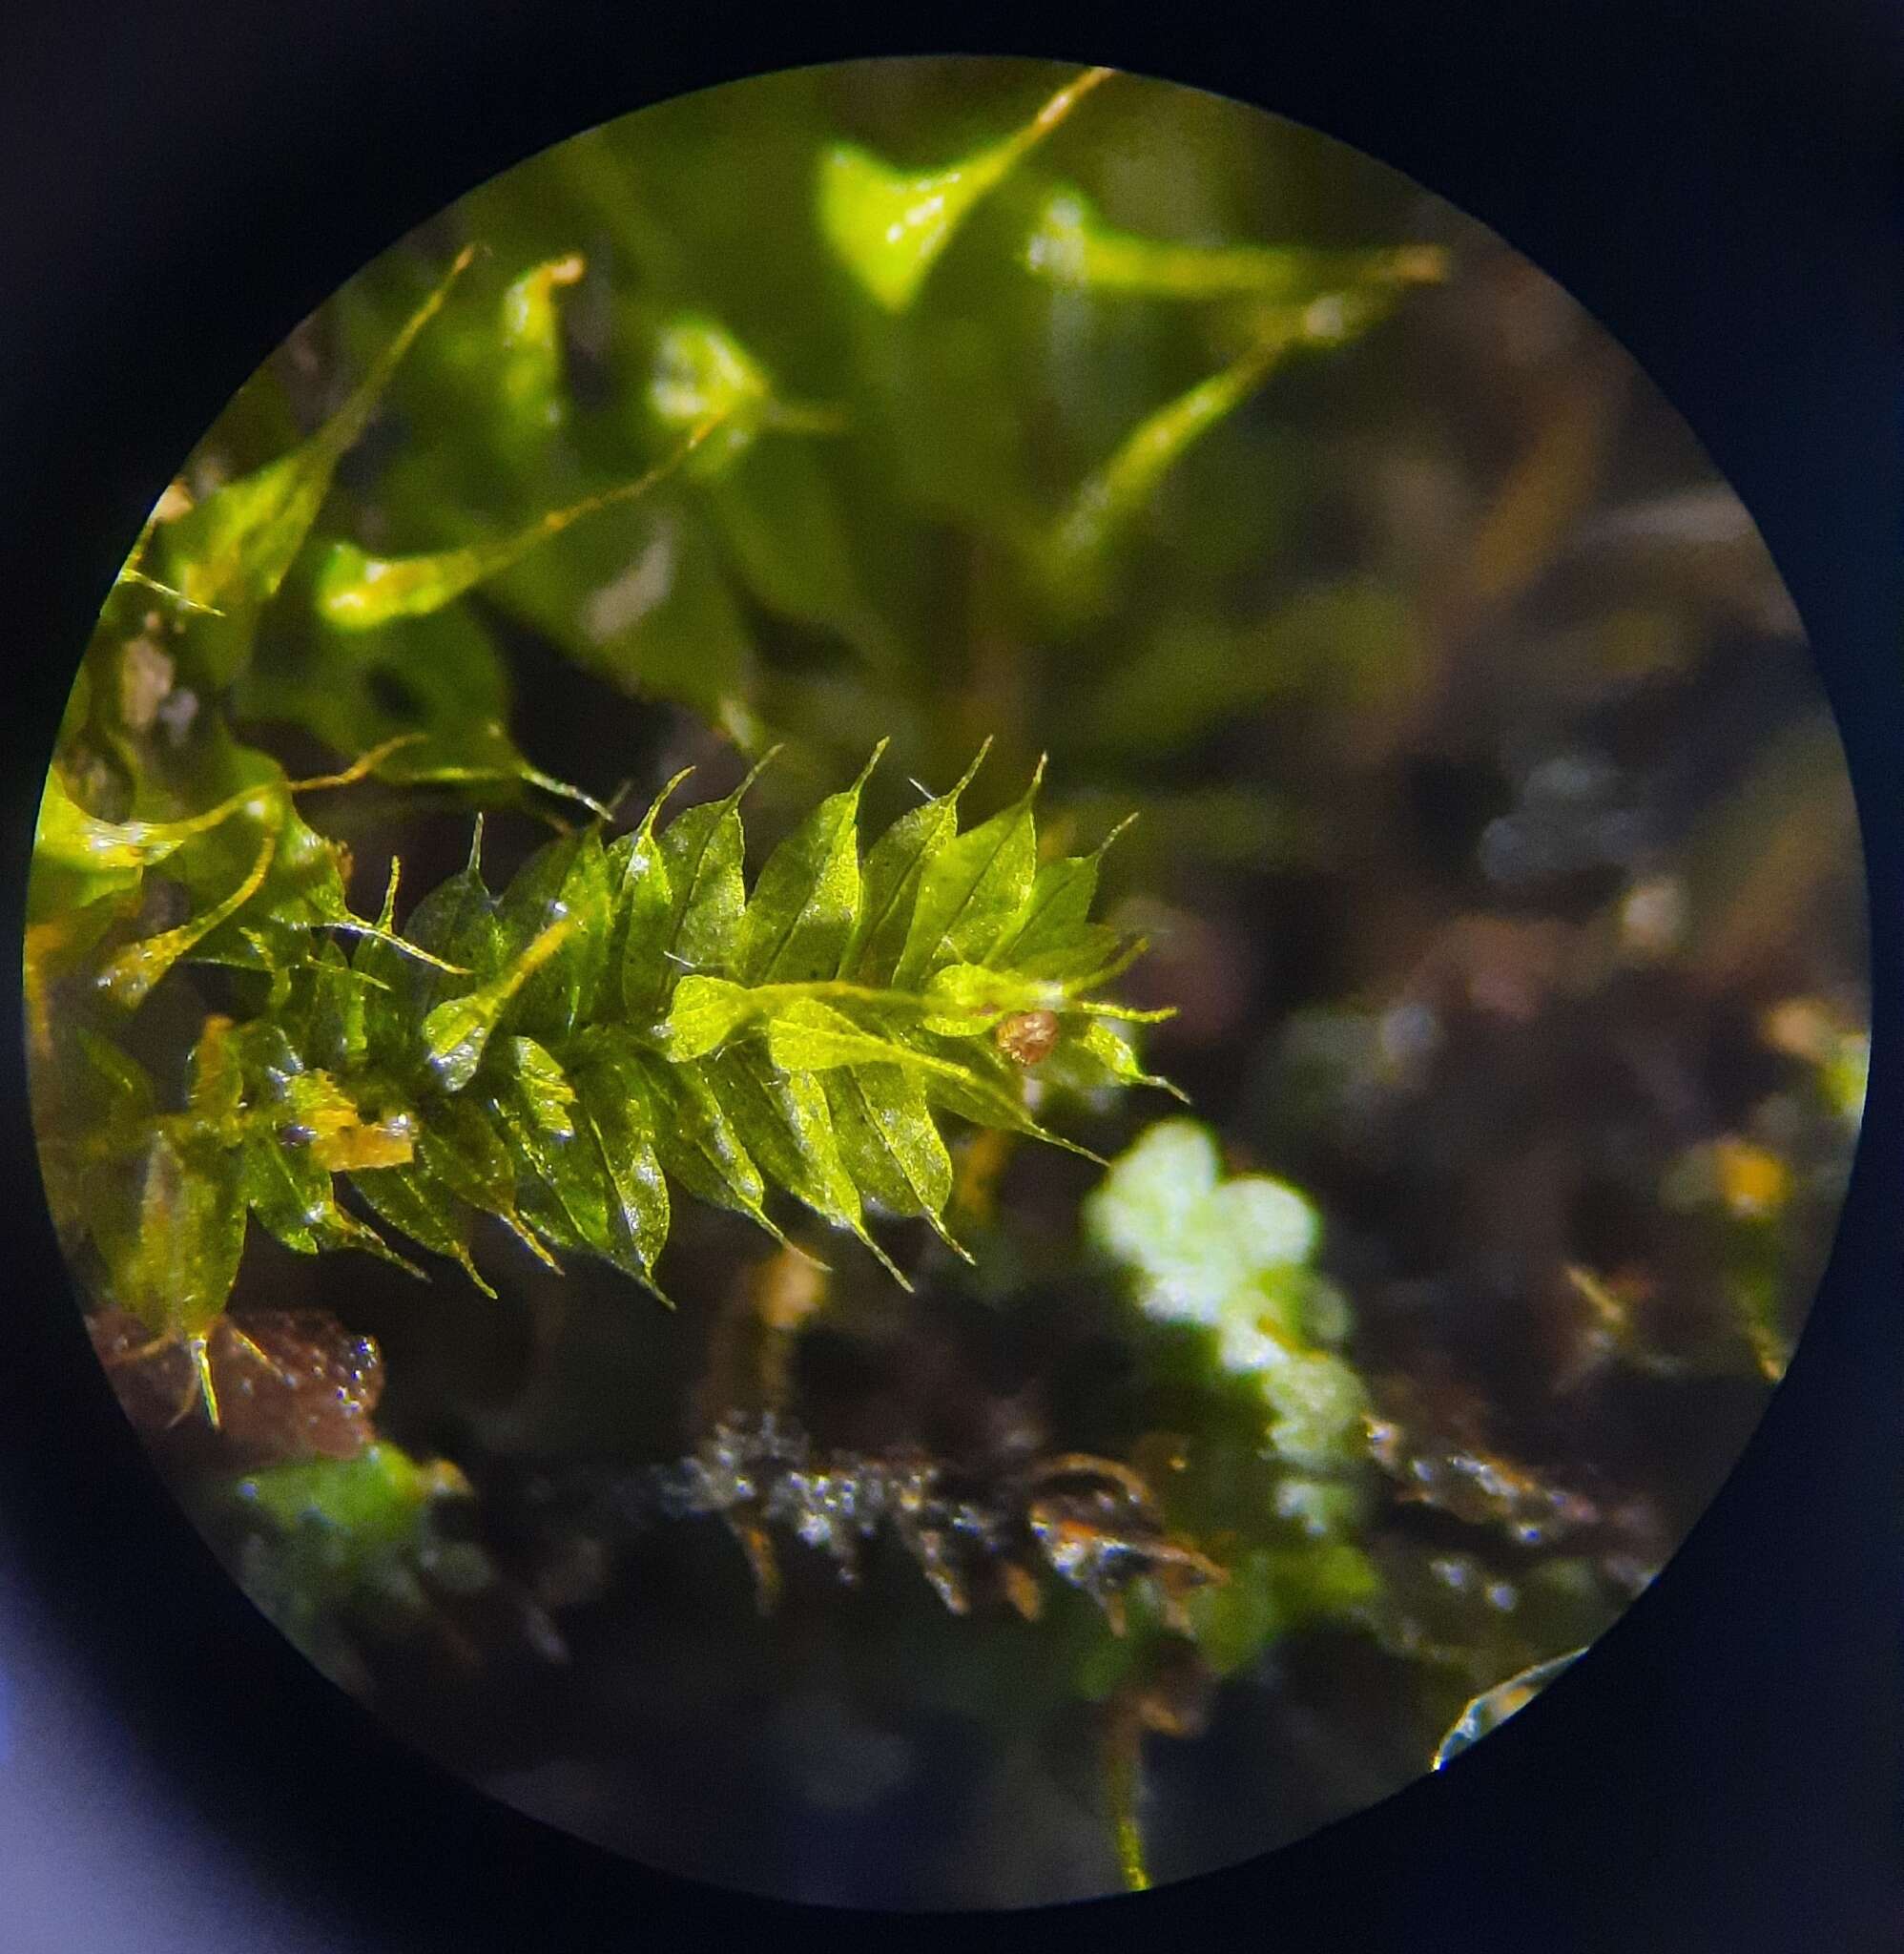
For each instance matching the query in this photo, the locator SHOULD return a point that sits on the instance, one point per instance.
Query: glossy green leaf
(642, 913)
(116, 850)
(962, 1000)
(456, 1033)
(806, 1034)
(701, 850)
(458, 922)
(889, 883)
(117, 1087)
(214, 1079)
(562, 1184)
(783, 1120)
(970, 891)
(1101, 1049)
(618, 1106)
(380, 966)
(128, 977)
(704, 1014)
(989, 1094)
(172, 1248)
(565, 882)
(460, 1147)
(698, 1144)
(1057, 913)
(889, 1141)
(806, 899)
(416, 1203)
(294, 1199)
(326, 1017)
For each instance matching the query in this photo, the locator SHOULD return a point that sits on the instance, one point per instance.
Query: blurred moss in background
(1493, 846)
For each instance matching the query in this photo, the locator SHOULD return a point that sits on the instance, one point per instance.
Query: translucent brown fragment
(290, 1385)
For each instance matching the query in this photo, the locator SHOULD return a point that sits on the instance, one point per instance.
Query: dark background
(180, 185)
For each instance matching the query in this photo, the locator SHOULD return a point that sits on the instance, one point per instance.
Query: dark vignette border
(181, 182)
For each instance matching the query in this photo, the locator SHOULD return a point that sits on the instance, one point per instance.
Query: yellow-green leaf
(1114, 494)
(783, 1120)
(1072, 246)
(412, 1200)
(969, 892)
(529, 374)
(702, 372)
(806, 899)
(240, 542)
(641, 931)
(357, 591)
(889, 883)
(889, 1141)
(889, 227)
(566, 880)
(457, 1031)
(1096, 1047)
(130, 975)
(698, 1143)
(292, 1195)
(701, 850)
(703, 1014)
(964, 999)
(618, 1109)
(172, 1249)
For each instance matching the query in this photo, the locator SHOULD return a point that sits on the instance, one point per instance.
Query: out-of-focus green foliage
(889, 227)
(339, 1551)
(1195, 468)
(1072, 246)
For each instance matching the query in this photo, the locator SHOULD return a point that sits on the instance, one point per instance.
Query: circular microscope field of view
(946, 984)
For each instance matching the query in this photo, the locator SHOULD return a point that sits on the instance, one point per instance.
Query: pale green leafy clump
(1231, 1255)
(332, 1548)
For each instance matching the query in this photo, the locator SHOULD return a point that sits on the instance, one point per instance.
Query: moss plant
(1040, 440)
(623, 1016)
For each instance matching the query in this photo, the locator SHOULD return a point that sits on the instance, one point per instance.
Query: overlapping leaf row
(626, 1015)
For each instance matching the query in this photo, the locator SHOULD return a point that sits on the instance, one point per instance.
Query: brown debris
(289, 1385)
